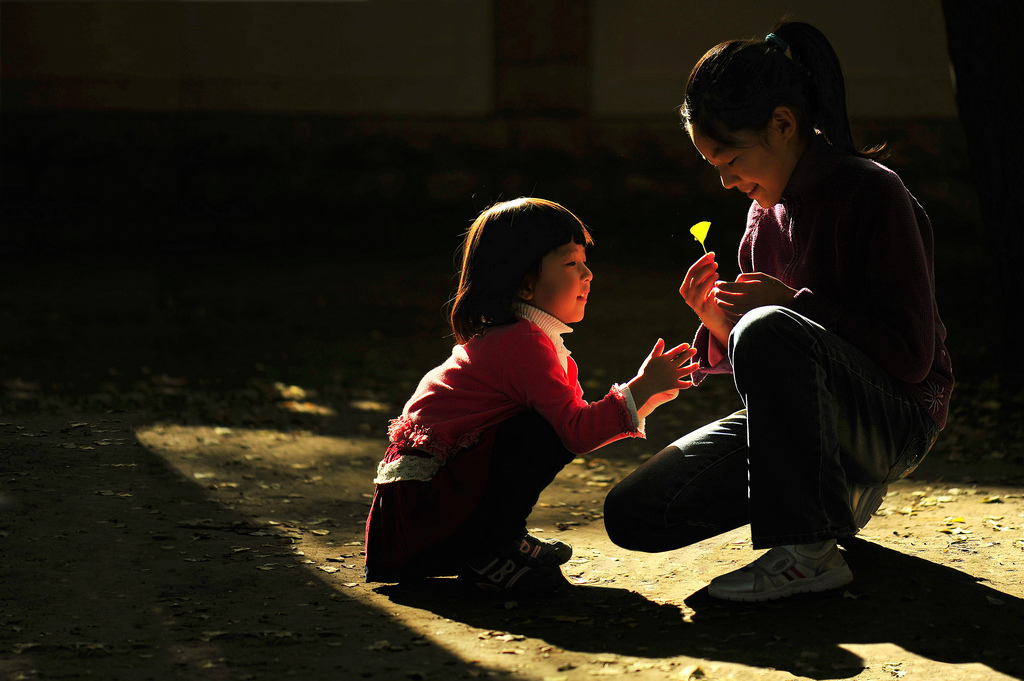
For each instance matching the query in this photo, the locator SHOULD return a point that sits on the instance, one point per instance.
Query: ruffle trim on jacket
(629, 421)
(408, 467)
(405, 434)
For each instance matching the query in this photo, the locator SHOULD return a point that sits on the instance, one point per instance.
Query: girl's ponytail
(737, 85)
(810, 50)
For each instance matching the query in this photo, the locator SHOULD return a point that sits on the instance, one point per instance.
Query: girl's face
(757, 165)
(562, 286)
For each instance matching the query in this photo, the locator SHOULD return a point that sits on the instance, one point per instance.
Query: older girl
(831, 332)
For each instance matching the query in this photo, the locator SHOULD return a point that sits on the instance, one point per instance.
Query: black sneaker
(544, 551)
(527, 565)
(511, 576)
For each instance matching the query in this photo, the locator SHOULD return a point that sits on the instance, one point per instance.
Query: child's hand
(751, 290)
(699, 290)
(656, 401)
(661, 377)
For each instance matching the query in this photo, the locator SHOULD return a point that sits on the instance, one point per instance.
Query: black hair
(738, 84)
(503, 247)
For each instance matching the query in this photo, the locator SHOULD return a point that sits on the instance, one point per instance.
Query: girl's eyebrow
(716, 151)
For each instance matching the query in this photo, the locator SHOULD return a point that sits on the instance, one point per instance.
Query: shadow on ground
(115, 565)
(931, 610)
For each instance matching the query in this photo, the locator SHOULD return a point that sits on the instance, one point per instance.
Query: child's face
(562, 286)
(759, 166)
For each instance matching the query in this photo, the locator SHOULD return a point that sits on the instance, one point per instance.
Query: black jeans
(526, 456)
(820, 417)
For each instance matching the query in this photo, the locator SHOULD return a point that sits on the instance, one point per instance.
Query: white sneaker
(865, 501)
(784, 571)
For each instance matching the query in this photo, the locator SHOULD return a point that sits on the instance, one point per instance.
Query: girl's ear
(784, 122)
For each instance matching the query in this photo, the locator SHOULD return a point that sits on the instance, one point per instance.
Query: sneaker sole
(536, 581)
(832, 579)
(867, 504)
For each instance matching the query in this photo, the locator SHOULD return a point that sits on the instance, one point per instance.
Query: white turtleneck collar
(552, 327)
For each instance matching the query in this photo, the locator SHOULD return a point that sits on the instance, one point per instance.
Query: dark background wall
(170, 127)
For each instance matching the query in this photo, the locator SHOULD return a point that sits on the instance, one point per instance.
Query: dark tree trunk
(986, 48)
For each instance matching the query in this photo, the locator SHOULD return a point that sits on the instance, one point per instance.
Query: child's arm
(533, 377)
(661, 377)
(655, 402)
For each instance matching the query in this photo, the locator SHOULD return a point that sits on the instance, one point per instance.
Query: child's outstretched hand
(661, 376)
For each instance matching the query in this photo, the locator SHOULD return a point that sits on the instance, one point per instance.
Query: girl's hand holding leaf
(699, 289)
(700, 284)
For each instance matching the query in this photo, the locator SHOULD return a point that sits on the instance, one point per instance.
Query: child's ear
(526, 289)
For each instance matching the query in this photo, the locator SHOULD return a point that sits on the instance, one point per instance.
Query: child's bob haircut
(503, 247)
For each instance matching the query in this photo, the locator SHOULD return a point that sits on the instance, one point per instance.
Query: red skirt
(411, 524)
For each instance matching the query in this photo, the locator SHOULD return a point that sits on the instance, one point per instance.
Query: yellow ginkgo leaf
(700, 232)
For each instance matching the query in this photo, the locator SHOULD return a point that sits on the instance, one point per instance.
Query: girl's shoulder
(876, 193)
(870, 174)
(851, 182)
(825, 169)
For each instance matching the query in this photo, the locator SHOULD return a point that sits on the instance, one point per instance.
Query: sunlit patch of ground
(309, 493)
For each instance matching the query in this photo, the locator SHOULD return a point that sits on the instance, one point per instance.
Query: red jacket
(505, 371)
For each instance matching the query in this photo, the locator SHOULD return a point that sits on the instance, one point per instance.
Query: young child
(831, 332)
(487, 430)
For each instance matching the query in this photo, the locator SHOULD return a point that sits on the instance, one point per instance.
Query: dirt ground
(186, 456)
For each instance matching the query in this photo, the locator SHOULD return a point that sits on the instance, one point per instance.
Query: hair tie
(779, 42)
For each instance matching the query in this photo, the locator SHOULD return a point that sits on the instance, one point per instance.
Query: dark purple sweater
(858, 248)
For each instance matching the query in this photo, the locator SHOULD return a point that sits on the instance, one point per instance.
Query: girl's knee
(620, 517)
(628, 519)
(761, 335)
(762, 321)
